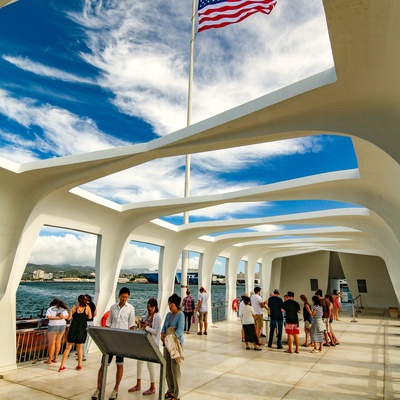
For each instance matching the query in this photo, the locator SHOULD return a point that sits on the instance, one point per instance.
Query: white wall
(298, 270)
(374, 271)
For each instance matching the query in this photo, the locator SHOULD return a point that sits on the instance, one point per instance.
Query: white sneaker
(113, 395)
(95, 395)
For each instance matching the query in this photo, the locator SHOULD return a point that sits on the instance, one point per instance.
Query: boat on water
(192, 277)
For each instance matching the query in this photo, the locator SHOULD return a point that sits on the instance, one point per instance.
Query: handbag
(170, 330)
(140, 325)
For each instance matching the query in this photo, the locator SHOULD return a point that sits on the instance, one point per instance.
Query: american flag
(219, 13)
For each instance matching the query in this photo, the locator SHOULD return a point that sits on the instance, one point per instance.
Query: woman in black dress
(77, 330)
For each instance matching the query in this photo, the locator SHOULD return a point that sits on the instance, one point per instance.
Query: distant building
(48, 275)
(38, 274)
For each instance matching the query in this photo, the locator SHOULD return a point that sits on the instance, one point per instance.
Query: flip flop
(47, 362)
(287, 351)
(135, 389)
(148, 391)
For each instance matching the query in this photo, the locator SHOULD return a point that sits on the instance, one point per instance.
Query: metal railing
(356, 305)
(32, 342)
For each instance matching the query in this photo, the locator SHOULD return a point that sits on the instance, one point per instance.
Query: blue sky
(81, 76)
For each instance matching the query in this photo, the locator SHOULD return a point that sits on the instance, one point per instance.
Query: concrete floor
(366, 365)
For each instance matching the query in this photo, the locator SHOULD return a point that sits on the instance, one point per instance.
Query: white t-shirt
(247, 315)
(204, 302)
(52, 312)
(241, 305)
(255, 303)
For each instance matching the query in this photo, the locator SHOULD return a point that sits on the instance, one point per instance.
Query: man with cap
(276, 318)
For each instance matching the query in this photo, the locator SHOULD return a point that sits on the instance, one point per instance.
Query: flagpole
(185, 253)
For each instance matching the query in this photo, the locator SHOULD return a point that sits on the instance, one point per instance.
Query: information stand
(130, 344)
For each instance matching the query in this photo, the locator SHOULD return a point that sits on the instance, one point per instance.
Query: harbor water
(33, 297)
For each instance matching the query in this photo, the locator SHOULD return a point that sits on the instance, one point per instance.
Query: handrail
(32, 343)
(353, 311)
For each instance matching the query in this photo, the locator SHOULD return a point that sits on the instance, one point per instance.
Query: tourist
(325, 317)
(258, 304)
(307, 319)
(336, 304)
(188, 309)
(275, 304)
(152, 324)
(172, 338)
(241, 305)
(79, 314)
(248, 317)
(202, 308)
(317, 326)
(292, 309)
(121, 316)
(89, 302)
(332, 337)
(57, 313)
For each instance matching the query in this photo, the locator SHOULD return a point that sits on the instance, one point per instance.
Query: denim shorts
(56, 328)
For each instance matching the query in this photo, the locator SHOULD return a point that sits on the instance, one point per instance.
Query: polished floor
(366, 365)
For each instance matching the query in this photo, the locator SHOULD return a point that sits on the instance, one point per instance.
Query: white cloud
(142, 50)
(57, 246)
(141, 258)
(46, 71)
(164, 178)
(64, 132)
(66, 249)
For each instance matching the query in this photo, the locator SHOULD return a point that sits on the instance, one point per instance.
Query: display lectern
(127, 343)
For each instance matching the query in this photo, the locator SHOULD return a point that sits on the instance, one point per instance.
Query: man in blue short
(122, 316)
(292, 309)
(275, 304)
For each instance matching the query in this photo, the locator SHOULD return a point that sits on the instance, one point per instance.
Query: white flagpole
(185, 253)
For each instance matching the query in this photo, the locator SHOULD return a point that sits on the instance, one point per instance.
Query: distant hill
(56, 270)
(73, 270)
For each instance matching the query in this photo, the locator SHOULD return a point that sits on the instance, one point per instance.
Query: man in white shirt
(202, 307)
(121, 316)
(258, 304)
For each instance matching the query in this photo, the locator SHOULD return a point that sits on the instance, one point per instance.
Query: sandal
(168, 396)
(314, 351)
(149, 391)
(135, 389)
(287, 351)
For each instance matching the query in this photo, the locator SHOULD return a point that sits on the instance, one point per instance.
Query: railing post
(353, 312)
